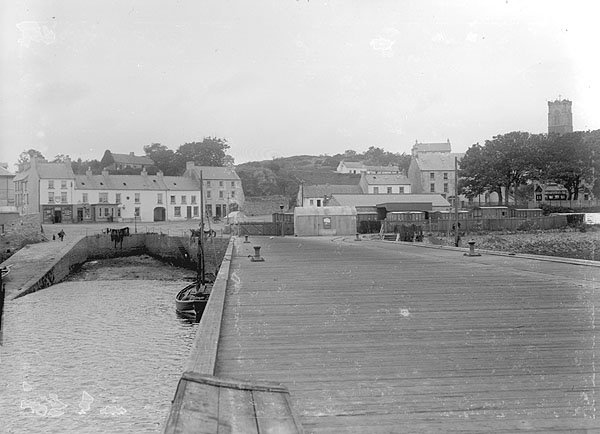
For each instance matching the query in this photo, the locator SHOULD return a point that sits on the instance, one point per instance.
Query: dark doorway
(189, 212)
(159, 214)
(57, 216)
(79, 214)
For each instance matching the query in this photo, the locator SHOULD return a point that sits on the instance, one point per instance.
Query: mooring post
(357, 237)
(246, 239)
(472, 249)
(257, 257)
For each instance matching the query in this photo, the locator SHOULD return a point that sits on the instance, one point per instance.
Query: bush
(369, 227)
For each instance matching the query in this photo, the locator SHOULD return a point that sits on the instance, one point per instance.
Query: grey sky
(283, 77)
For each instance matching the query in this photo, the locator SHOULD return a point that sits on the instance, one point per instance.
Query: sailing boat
(194, 297)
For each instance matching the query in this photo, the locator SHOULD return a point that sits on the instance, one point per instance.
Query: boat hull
(186, 303)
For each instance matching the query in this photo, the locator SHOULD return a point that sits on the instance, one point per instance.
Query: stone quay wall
(18, 231)
(179, 251)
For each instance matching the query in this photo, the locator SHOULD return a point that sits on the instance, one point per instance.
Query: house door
(159, 214)
(57, 216)
(79, 214)
(189, 212)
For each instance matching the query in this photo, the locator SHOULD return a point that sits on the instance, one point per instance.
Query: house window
(85, 198)
(193, 199)
(221, 194)
(118, 198)
(389, 190)
(137, 198)
(232, 184)
(63, 184)
(431, 175)
(63, 197)
(50, 197)
(432, 188)
(220, 183)
(159, 198)
(172, 200)
(376, 190)
(103, 197)
(318, 202)
(401, 189)
(208, 194)
(538, 197)
(177, 211)
(311, 202)
(445, 175)
(196, 211)
(233, 194)
(183, 200)
(137, 211)
(208, 183)
(51, 184)
(445, 187)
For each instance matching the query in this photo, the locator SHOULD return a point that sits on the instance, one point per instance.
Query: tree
(80, 167)
(26, 156)
(211, 151)
(509, 158)
(61, 158)
(164, 159)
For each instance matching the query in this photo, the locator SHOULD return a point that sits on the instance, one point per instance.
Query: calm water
(92, 357)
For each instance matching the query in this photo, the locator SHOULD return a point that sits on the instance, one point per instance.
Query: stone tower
(560, 117)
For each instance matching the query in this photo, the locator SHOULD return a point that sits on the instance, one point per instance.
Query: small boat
(192, 298)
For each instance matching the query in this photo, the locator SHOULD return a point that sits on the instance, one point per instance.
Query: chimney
(159, 174)
(144, 173)
(88, 172)
(132, 154)
(189, 165)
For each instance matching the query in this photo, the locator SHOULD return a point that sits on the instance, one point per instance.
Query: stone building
(560, 116)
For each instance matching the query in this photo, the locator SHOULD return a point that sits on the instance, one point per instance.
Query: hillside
(282, 176)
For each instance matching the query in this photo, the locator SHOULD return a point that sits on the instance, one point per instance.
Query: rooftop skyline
(281, 78)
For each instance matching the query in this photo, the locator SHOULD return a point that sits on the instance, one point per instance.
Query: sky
(288, 77)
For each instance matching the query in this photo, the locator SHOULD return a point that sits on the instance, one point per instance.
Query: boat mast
(201, 237)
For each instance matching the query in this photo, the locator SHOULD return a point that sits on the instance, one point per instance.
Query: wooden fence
(495, 224)
(265, 228)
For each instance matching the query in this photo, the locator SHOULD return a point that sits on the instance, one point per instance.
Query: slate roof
(386, 179)
(376, 199)
(437, 160)
(135, 182)
(5, 172)
(329, 189)
(354, 164)
(55, 171)
(214, 172)
(132, 159)
(431, 147)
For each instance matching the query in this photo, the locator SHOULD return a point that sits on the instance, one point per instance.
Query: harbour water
(101, 356)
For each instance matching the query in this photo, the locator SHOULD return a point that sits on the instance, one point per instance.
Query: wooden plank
(195, 409)
(368, 339)
(232, 383)
(204, 350)
(274, 414)
(236, 412)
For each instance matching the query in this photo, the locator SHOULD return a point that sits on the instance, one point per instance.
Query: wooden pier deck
(385, 337)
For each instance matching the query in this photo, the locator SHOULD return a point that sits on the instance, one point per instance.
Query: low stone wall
(18, 231)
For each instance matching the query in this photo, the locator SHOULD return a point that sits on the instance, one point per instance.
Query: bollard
(357, 237)
(257, 257)
(246, 240)
(472, 249)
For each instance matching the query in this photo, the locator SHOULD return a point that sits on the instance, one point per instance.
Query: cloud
(383, 46)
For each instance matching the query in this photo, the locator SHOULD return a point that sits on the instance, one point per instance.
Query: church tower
(560, 117)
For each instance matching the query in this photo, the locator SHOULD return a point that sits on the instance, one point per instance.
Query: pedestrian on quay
(61, 234)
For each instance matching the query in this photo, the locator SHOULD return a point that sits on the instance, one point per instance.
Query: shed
(324, 221)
